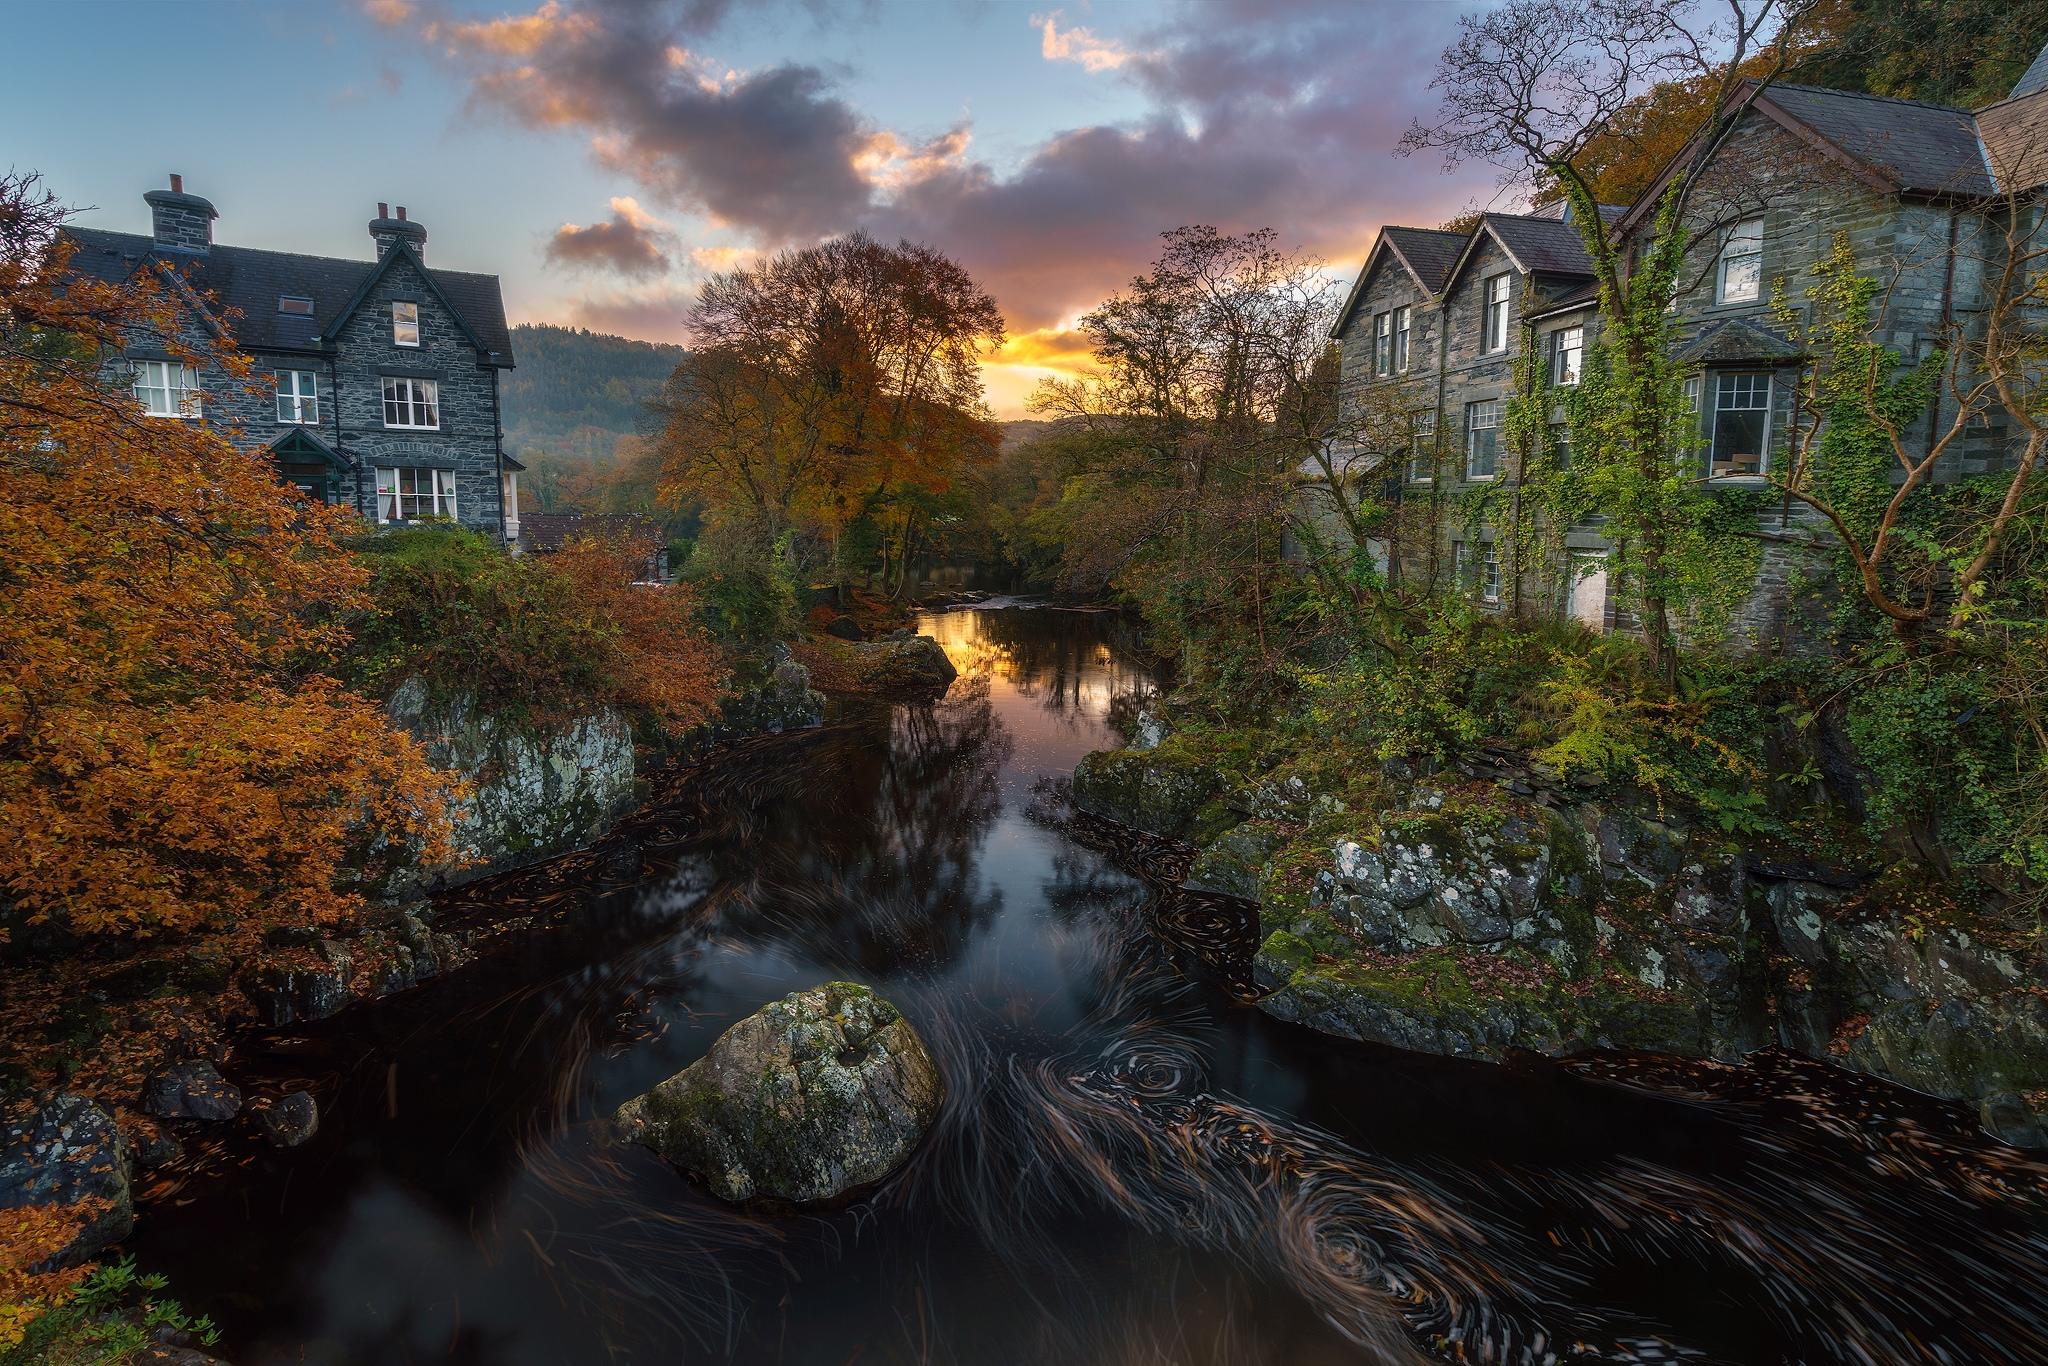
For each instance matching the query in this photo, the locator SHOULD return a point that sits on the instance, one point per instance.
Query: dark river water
(1133, 1167)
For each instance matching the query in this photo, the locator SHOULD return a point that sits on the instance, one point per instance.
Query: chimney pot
(401, 213)
(177, 183)
(383, 209)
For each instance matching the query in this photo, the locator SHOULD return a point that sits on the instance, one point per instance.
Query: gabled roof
(1736, 339)
(2036, 78)
(1534, 243)
(302, 446)
(1427, 254)
(251, 280)
(2015, 137)
(1930, 148)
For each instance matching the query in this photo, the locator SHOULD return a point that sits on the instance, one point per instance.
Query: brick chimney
(180, 221)
(388, 232)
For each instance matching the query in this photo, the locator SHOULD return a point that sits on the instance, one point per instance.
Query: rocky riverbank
(1474, 913)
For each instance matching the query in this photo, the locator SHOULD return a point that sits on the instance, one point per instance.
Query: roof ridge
(1866, 95)
(355, 261)
(1403, 227)
(1983, 109)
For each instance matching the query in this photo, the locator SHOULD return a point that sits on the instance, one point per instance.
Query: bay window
(298, 397)
(1740, 443)
(165, 388)
(406, 494)
(411, 402)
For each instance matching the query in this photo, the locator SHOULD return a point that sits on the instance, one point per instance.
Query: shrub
(748, 590)
(546, 637)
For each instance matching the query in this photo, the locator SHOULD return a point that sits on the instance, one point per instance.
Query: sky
(602, 157)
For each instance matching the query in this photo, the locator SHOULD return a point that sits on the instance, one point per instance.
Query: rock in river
(191, 1090)
(807, 1099)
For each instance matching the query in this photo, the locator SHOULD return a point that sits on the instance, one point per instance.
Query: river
(1133, 1165)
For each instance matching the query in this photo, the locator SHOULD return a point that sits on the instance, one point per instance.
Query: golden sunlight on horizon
(1014, 369)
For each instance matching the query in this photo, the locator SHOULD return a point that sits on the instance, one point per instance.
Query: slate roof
(1579, 297)
(251, 280)
(1429, 252)
(546, 532)
(1547, 246)
(1926, 147)
(2015, 134)
(2036, 78)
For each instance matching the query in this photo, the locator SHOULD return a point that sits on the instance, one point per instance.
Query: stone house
(1436, 325)
(374, 382)
(544, 533)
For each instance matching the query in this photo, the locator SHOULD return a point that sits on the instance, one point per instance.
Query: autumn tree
(175, 752)
(1213, 406)
(832, 385)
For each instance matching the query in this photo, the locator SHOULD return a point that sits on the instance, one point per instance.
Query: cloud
(390, 13)
(631, 242)
(1279, 113)
(1077, 45)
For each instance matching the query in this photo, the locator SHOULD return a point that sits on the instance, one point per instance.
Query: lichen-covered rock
(67, 1152)
(807, 1100)
(914, 665)
(1928, 1005)
(1235, 862)
(191, 1090)
(784, 701)
(1159, 790)
(535, 790)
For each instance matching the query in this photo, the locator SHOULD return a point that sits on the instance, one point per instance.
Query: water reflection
(1131, 1166)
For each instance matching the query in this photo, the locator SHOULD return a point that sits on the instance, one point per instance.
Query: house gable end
(403, 252)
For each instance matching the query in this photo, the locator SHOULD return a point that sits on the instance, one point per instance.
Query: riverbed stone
(1163, 790)
(191, 1090)
(291, 1119)
(67, 1152)
(810, 1099)
(296, 986)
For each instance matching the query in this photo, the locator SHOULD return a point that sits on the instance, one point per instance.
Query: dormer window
(405, 324)
(1742, 263)
(296, 305)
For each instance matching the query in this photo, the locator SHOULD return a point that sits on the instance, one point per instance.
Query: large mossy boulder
(806, 1101)
(913, 665)
(1163, 791)
(67, 1153)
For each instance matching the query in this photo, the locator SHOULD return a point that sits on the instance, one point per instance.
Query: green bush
(457, 611)
(748, 590)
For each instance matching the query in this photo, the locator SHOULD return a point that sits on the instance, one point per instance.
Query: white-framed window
(1567, 355)
(298, 396)
(1494, 321)
(1404, 318)
(1741, 442)
(1482, 439)
(405, 323)
(165, 388)
(1478, 570)
(1741, 273)
(411, 402)
(1383, 343)
(1422, 452)
(410, 494)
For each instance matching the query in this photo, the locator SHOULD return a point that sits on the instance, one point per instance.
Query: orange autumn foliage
(662, 661)
(174, 753)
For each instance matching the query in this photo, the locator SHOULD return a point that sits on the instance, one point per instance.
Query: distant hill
(575, 392)
(573, 410)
